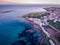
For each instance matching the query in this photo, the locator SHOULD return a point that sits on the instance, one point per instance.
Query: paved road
(54, 34)
(50, 32)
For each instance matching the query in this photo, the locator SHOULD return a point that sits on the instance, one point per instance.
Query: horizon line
(29, 4)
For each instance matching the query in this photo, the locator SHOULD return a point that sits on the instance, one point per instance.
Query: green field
(56, 24)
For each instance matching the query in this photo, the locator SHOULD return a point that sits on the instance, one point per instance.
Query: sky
(29, 1)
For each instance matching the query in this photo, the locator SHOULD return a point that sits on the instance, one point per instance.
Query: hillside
(36, 15)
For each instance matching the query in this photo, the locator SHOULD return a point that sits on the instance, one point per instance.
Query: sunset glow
(30, 1)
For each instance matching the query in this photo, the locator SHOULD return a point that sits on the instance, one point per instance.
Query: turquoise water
(10, 26)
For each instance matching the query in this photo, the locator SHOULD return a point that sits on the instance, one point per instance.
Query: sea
(11, 25)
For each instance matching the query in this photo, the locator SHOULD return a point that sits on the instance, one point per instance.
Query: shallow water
(10, 25)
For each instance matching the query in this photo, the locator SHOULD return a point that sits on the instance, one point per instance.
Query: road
(54, 34)
(49, 32)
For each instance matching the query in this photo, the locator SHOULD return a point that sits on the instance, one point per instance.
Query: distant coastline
(1, 12)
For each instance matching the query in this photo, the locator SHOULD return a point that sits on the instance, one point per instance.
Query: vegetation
(56, 25)
(36, 15)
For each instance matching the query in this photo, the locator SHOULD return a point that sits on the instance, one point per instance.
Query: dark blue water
(9, 29)
(10, 25)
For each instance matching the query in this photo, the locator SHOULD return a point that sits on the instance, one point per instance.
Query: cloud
(30, 1)
(5, 2)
